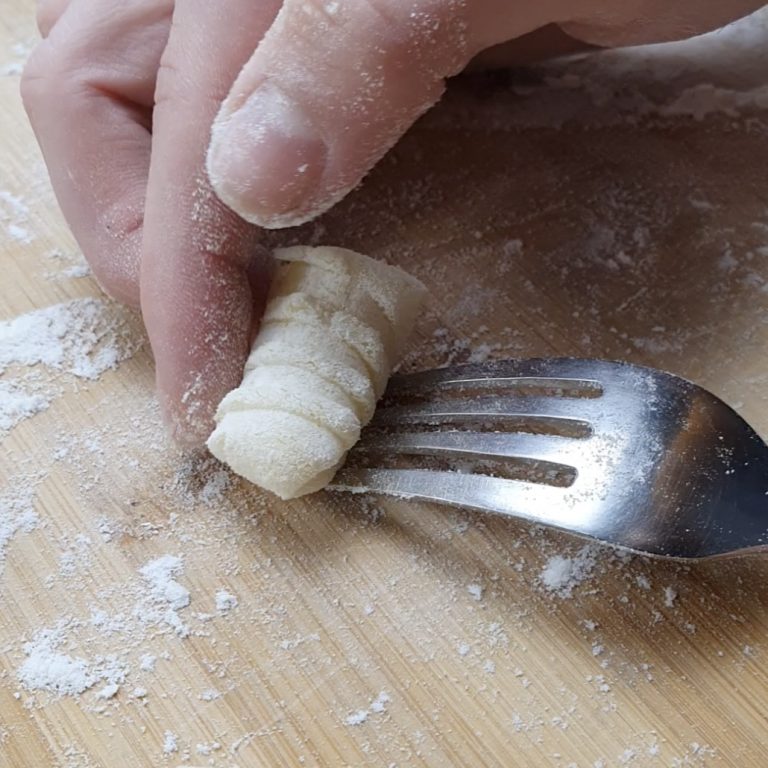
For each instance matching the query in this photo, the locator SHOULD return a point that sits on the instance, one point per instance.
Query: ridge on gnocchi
(335, 325)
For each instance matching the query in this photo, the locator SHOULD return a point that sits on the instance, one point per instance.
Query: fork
(630, 456)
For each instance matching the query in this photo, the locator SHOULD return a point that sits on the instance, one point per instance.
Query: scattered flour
(14, 214)
(48, 669)
(225, 601)
(377, 706)
(56, 662)
(81, 337)
(17, 512)
(170, 743)
(357, 718)
(70, 266)
(206, 749)
(108, 691)
(210, 694)
(17, 405)
(476, 590)
(720, 73)
(166, 595)
(561, 575)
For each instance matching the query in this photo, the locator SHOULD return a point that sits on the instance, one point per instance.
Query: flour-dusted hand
(335, 83)
(123, 95)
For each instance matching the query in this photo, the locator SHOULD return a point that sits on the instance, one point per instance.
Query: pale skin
(174, 131)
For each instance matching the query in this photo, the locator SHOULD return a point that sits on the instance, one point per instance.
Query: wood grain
(615, 240)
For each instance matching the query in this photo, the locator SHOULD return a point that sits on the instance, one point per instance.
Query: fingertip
(317, 106)
(267, 160)
(188, 421)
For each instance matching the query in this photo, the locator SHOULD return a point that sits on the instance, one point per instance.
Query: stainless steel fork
(627, 455)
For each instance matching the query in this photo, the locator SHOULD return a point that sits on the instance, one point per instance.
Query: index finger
(196, 298)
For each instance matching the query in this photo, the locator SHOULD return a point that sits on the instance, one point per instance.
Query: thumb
(332, 86)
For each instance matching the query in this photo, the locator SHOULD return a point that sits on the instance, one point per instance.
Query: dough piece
(334, 327)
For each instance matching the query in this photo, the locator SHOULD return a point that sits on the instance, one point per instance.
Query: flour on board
(377, 706)
(82, 338)
(561, 575)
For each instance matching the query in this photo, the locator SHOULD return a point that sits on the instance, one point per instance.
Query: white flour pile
(17, 514)
(377, 706)
(561, 575)
(110, 642)
(14, 217)
(82, 338)
(47, 669)
(167, 596)
(17, 405)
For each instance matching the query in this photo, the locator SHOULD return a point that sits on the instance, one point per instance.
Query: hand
(122, 95)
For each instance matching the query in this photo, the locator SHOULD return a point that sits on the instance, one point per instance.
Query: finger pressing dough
(333, 329)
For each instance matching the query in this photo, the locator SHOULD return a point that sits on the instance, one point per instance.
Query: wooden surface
(616, 239)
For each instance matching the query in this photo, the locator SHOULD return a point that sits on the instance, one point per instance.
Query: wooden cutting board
(371, 632)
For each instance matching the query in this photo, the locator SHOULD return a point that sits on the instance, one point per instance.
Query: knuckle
(169, 81)
(47, 77)
(36, 86)
(48, 14)
(178, 87)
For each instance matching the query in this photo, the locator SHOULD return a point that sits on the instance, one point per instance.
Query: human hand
(122, 95)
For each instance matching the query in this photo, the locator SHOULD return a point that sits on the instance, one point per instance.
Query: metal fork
(627, 455)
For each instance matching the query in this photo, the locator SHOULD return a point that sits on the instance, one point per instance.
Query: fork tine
(543, 504)
(551, 414)
(478, 446)
(652, 462)
(571, 377)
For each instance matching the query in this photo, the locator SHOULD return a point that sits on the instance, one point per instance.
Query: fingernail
(266, 160)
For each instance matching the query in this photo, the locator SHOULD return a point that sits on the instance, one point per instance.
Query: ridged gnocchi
(333, 329)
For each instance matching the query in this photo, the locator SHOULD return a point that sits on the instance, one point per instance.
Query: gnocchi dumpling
(333, 329)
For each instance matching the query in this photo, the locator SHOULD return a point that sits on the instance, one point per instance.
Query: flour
(108, 691)
(476, 590)
(164, 588)
(225, 601)
(82, 338)
(17, 405)
(70, 266)
(167, 596)
(479, 619)
(377, 706)
(14, 215)
(17, 512)
(561, 575)
(48, 669)
(69, 659)
(170, 743)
